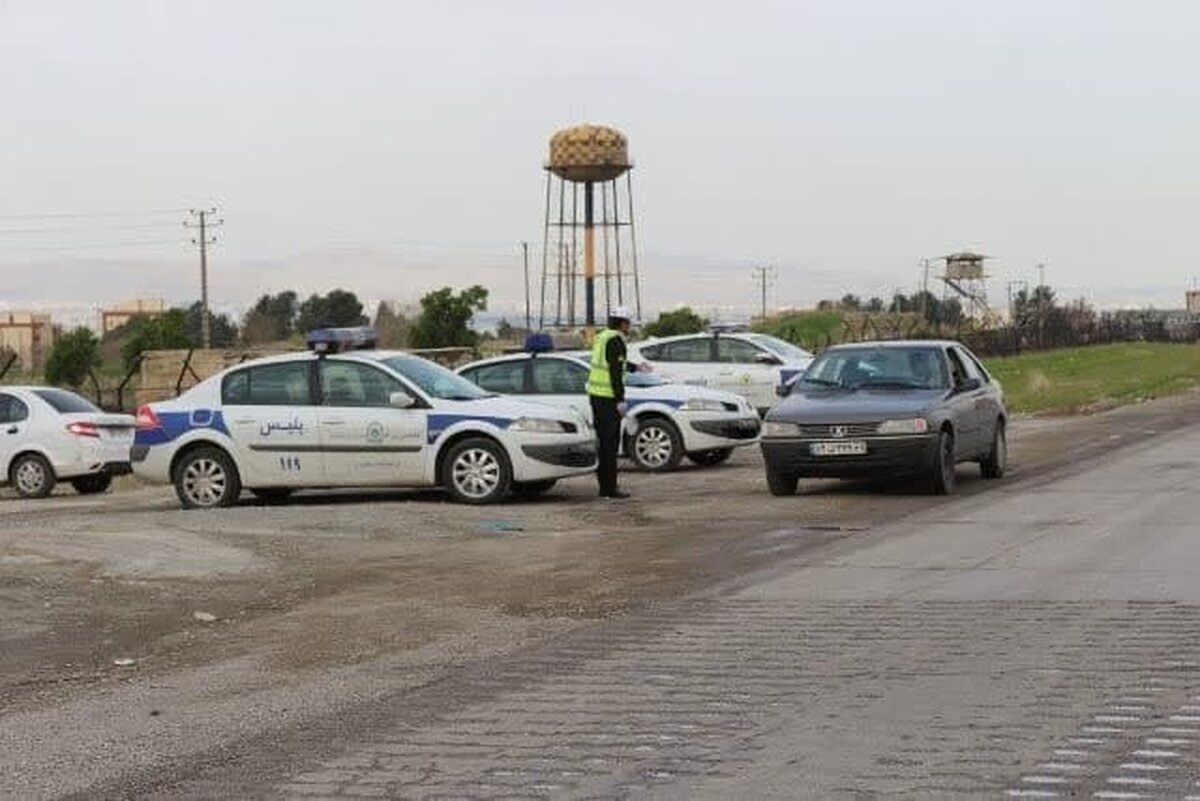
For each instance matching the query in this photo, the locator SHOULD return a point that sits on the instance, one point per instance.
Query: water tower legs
(589, 255)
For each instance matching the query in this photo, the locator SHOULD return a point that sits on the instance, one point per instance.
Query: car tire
(32, 476)
(272, 494)
(207, 478)
(655, 445)
(476, 471)
(532, 489)
(93, 484)
(995, 464)
(942, 477)
(782, 485)
(709, 458)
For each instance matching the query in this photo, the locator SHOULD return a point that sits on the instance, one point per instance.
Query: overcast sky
(392, 147)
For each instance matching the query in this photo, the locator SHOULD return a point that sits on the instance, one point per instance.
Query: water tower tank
(588, 154)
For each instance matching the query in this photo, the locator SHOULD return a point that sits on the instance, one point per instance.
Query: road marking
(1114, 794)
(1129, 709)
(1116, 718)
(1086, 740)
(1149, 752)
(1031, 794)
(1185, 718)
(1070, 752)
(1060, 766)
(1139, 780)
(1176, 730)
(1044, 780)
(1143, 766)
(1101, 730)
(1168, 740)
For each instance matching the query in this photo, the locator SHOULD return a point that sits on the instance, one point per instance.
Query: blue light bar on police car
(539, 343)
(336, 340)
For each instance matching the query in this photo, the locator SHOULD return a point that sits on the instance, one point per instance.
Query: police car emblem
(837, 432)
(376, 433)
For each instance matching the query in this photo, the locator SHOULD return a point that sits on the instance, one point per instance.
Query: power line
(68, 228)
(89, 215)
(203, 225)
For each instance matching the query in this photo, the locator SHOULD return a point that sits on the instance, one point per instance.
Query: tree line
(282, 318)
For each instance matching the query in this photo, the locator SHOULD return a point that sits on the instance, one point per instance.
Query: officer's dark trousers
(608, 430)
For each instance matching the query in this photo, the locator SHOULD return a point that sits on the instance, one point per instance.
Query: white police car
(665, 421)
(742, 362)
(348, 416)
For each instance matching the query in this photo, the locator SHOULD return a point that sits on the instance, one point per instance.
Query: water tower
(586, 161)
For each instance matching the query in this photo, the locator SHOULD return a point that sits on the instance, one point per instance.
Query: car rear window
(65, 402)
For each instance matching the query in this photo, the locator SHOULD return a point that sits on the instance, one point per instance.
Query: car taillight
(84, 429)
(147, 420)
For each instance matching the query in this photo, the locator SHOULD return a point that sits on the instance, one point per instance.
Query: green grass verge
(1079, 378)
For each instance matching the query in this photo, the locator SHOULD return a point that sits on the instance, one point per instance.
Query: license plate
(853, 447)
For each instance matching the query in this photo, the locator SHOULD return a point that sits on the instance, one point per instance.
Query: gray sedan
(881, 409)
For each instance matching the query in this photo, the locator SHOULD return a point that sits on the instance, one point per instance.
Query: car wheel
(532, 489)
(477, 471)
(942, 476)
(656, 445)
(32, 476)
(782, 485)
(710, 458)
(92, 485)
(207, 478)
(272, 494)
(996, 462)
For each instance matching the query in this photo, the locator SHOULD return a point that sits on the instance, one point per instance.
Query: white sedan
(49, 435)
(665, 421)
(744, 363)
(357, 418)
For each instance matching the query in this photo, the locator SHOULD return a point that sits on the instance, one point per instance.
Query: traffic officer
(606, 391)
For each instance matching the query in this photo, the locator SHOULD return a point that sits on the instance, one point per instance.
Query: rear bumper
(884, 456)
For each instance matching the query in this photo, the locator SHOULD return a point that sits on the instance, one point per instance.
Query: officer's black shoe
(616, 495)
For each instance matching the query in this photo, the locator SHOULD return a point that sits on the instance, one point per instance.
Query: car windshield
(878, 368)
(434, 380)
(787, 350)
(65, 402)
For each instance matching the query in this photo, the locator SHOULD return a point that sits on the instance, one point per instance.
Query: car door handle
(244, 421)
(333, 422)
(14, 430)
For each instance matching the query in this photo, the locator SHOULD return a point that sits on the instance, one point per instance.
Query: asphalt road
(1035, 638)
(1037, 641)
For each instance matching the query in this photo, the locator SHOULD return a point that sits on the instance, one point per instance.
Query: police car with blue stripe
(346, 415)
(665, 422)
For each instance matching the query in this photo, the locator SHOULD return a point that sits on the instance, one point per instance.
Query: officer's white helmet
(620, 313)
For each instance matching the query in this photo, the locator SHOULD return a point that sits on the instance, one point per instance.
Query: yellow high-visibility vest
(599, 381)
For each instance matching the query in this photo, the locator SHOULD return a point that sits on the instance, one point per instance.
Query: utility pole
(200, 220)
(761, 274)
(1041, 268)
(528, 314)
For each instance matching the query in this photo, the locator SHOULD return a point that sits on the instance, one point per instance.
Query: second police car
(346, 415)
(665, 422)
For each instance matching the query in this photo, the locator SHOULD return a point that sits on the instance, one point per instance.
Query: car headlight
(542, 425)
(702, 405)
(917, 425)
(772, 428)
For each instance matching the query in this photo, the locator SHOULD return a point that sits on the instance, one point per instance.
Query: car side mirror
(783, 390)
(767, 358)
(969, 385)
(401, 400)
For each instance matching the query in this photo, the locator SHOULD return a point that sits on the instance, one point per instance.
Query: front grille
(839, 430)
(562, 455)
(729, 429)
